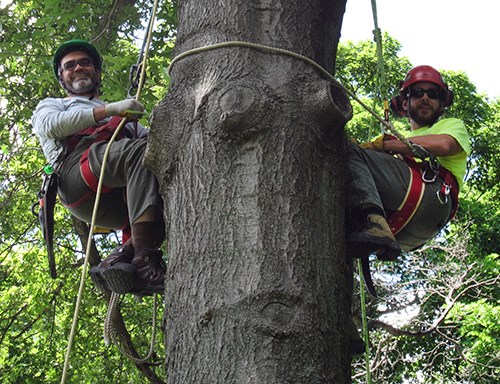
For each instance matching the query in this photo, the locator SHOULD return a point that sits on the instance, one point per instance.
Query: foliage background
(436, 320)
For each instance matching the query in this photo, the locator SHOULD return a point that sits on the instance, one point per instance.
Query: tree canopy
(436, 319)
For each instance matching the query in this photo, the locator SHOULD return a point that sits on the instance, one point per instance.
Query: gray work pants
(135, 188)
(381, 180)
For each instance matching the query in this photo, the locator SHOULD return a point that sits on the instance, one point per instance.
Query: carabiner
(444, 193)
(433, 176)
(433, 167)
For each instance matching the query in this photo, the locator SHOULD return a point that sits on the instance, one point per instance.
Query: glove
(127, 107)
(375, 145)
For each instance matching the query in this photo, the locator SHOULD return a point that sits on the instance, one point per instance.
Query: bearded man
(399, 196)
(74, 132)
(384, 174)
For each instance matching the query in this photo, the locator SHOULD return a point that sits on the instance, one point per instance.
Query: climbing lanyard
(363, 265)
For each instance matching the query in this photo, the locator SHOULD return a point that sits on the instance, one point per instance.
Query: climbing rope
(110, 334)
(96, 206)
(364, 321)
(382, 79)
(322, 70)
(383, 94)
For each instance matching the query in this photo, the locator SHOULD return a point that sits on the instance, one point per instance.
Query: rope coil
(110, 334)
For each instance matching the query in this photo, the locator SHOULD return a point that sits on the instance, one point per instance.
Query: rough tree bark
(248, 146)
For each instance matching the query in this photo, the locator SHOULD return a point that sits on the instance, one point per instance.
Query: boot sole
(98, 279)
(120, 277)
(148, 290)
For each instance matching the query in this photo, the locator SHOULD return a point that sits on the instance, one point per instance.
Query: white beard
(82, 85)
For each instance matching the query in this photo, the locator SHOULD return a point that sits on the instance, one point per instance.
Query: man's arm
(100, 113)
(57, 119)
(52, 119)
(441, 145)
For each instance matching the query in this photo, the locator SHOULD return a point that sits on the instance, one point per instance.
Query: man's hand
(128, 107)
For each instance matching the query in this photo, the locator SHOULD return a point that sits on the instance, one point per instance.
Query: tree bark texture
(248, 147)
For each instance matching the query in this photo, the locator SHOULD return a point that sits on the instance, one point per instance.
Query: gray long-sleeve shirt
(56, 119)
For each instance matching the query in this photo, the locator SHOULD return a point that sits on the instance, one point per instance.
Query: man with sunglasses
(400, 196)
(74, 133)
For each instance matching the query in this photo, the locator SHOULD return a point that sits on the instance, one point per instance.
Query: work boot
(150, 272)
(374, 237)
(115, 273)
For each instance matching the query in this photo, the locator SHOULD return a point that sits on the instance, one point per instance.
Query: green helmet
(76, 45)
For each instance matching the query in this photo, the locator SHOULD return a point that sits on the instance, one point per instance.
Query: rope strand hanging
(383, 94)
(382, 78)
(96, 205)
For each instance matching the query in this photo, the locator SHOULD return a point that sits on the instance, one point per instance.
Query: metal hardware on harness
(134, 77)
(419, 151)
(46, 202)
(445, 193)
(431, 171)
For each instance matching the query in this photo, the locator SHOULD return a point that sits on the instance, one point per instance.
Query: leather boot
(150, 272)
(374, 237)
(115, 273)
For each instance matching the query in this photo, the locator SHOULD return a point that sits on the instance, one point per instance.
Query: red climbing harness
(102, 133)
(418, 178)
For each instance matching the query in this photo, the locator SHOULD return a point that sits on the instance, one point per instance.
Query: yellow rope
(377, 34)
(86, 261)
(96, 206)
(364, 321)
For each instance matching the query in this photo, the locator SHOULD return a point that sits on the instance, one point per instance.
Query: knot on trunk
(242, 110)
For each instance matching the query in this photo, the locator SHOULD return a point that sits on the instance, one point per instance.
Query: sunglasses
(432, 93)
(71, 65)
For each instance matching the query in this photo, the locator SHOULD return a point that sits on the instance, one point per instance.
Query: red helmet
(423, 73)
(419, 74)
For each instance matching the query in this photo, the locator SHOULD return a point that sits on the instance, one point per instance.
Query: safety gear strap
(401, 217)
(88, 176)
(416, 188)
(101, 133)
(104, 132)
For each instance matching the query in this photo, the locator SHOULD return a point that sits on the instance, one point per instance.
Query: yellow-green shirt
(456, 164)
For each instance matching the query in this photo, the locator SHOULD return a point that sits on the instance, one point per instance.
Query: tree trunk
(248, 146)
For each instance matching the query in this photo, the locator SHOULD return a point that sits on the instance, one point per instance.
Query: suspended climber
(74, 132)
(395, 200)
(399, 195)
